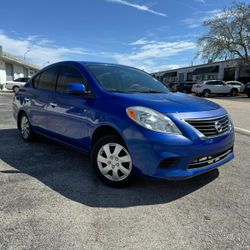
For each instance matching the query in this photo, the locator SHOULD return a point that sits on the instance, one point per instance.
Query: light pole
(25, 54)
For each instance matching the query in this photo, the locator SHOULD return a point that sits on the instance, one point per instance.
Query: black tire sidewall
(102, 141)
(206, 91)
(234, 92)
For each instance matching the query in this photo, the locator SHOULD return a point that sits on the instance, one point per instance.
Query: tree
(228, 35)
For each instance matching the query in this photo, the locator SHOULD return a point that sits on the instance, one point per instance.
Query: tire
(234, 92)
(206, 92)
(112, 161)
(25, 128)
(15, 89)
(248, 94)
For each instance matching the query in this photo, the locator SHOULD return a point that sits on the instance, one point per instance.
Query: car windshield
(123, 79)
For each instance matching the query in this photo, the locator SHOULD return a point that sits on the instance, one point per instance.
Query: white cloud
(150, 55)
(203, 16)
(42, 51)
(137, 6)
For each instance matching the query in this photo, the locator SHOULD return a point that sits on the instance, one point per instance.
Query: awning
(206, 70)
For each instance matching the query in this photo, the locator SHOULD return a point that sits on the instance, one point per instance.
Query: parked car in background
(247, 89)
(207, 88)
(172, 86)
(237, 84)
(128, 121)
(185, 87)
(16, 84)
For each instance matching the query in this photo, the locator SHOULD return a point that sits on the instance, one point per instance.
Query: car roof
(85, 63)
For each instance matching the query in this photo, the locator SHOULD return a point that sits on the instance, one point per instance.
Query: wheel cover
(25, 127)
(114, 162)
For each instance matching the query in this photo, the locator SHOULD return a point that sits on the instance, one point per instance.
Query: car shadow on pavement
(70, 174)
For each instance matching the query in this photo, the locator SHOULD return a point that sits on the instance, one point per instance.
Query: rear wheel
(112, 161)
(206, 92)
(234, 92)
(25, 128)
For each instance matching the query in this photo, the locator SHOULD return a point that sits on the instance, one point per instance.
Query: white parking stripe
(242, 131)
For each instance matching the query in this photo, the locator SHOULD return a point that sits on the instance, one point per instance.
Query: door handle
(53, 104)
(26, 99)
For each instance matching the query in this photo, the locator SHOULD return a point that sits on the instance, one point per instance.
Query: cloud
(202, 16)
(137, 6)
(42, 51)
(152, 55)
(149, 55)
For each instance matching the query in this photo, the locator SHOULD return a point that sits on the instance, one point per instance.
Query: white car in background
(16, 84)
(237, 84)
(209, 87)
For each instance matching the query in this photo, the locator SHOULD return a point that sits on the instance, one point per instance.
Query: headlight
(230, 122)
(152, 120)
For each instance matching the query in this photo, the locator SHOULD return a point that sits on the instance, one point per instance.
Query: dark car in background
(172, 86)
(185, 87)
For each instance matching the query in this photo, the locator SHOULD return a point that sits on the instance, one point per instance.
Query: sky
(152, 35)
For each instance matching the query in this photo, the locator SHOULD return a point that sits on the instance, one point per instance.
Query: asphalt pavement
(51, 199)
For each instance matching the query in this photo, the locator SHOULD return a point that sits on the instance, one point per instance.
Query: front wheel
(16, 89)
(112, 161)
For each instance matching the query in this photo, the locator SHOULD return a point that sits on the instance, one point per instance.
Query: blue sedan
(129, 122)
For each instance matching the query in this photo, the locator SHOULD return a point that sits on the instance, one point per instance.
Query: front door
(70, 116)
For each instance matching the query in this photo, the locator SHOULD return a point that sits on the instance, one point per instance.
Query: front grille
(211, 127)
(207, 160)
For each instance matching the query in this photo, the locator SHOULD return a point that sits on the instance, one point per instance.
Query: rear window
(47, 79)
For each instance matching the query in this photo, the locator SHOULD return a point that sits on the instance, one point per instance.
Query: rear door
(69, 120)
(212, 86)
(41, 96)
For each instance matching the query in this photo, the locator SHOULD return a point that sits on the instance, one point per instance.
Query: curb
(242, 131)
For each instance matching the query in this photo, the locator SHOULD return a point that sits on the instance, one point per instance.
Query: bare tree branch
(228, 35)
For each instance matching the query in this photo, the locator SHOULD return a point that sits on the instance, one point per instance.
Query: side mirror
(76, 88)
(79, 89)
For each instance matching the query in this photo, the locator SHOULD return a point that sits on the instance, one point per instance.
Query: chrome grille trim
(208, 160)
(211, 127)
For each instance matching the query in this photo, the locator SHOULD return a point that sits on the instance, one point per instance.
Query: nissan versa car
(129, 122)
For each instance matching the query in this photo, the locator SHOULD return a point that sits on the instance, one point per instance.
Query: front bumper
(148, 149)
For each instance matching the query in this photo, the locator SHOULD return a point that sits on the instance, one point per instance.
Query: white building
(224, 70)
(12, 67)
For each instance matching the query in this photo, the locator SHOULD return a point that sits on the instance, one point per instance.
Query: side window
(48, 79)
(220, 83)
(67, 76)
(35, 81)
(210, 83)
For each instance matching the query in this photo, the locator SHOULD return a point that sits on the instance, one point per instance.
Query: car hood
(167, 103)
